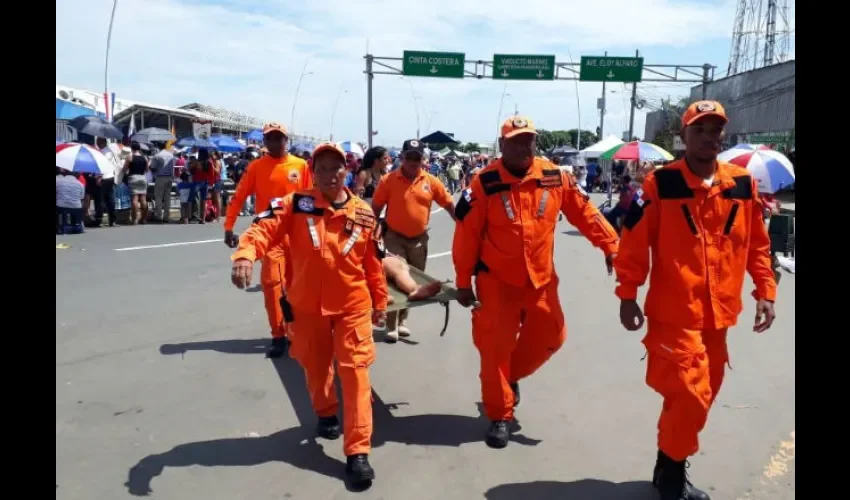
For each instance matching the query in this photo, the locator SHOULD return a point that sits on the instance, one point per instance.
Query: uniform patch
(294, 175)
(464, 205)
(364, 217)
(551, 180)
(704, 106)
(349, 226)
(426, 187)
(635, 214)
(306, 204)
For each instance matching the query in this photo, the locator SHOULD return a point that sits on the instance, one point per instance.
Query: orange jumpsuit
(505, 235)
(337, 282)
(271, 178)
(702, 236)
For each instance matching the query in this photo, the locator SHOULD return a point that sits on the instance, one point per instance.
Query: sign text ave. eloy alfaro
(436, 64)
(523, 67)
(611, 69)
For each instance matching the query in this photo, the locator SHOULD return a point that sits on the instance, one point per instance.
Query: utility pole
(369, 77)
(634, 99)
(706, 77)
(602, 109)
(106, 104)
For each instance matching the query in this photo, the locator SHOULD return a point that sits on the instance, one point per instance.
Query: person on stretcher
(398, 274)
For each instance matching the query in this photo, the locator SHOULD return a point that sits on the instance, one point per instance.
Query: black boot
(328, 427)
(671, 479)
(498, 435)
(515, 388)
(279, 348)
(360, 473)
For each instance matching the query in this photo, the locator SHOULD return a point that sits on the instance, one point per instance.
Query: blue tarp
(66, 110)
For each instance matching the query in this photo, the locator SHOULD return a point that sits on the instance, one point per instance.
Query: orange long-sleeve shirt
(335, 252)
(506, 225)
(702, 239)
(268, 178)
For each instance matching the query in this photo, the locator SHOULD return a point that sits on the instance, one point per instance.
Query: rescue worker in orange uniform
(274, 175)
(408, 193)
(338, 290)
(700, 222)
(504, 236)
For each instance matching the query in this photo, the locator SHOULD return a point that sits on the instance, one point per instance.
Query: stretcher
(447, 294)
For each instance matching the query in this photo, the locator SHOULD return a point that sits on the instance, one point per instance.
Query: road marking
(437, 210)
(167, 245)
(438, 255)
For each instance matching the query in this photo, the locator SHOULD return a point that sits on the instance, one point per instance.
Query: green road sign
(523, 67)
(611, 69)
(436, 64)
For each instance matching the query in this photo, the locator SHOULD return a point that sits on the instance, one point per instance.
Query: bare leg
(397, 270)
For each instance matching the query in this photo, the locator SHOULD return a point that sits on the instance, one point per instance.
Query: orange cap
(700, 109)
(329, 146)
(275, 127)
(517, 125)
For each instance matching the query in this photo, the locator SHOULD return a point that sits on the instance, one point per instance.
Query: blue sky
(247, 55)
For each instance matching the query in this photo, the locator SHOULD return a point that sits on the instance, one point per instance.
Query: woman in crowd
(375, 164)
(136, 168)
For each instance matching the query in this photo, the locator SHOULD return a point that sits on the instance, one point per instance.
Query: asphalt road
(162, 389)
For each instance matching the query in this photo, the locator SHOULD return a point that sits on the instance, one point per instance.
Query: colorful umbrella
(772, 170)
(82, 158)
(227, 144)
(195, 142)
(254, 135)
(636, 150)
(748, 147)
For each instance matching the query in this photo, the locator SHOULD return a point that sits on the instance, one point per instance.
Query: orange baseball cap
(275, 127)
(516, 125)
(329, 146)
(700, 109)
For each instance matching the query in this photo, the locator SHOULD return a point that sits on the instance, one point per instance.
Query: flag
(106, 107)
(132, 129)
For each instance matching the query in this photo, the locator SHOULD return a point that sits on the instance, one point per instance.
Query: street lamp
(415, 105)
(499, 118)
(106, 63)
(295, 100)
(333, 113)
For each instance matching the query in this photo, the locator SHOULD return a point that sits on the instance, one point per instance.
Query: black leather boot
(671, 479)
(360, 474)
(279, 348)
(328, 427)
(498, 435)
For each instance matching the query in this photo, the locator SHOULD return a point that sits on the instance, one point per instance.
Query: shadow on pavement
(298, 446)
(585, 489)
(572, 232)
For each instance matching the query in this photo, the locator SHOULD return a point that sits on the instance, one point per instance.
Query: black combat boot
(360, 474)
(515, 388)
(671, 479)
(498, 435)
(328, 427)
(279, 348)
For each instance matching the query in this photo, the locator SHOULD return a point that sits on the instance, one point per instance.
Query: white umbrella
(82, 158)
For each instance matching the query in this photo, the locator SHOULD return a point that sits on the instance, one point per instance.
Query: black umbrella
(152, 134)
(96, 126)
(195, 142)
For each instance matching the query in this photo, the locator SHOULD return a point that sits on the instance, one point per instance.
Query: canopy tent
(439, 137)
(596, 150)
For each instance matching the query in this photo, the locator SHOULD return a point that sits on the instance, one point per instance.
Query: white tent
(600, 147)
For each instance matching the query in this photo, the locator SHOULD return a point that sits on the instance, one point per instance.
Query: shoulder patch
(364, 217)
(492, 183)
(743, 189)
(276, 205)
(635, 213)
(464, 204)
(672, 185)
(551, 178)
(306, 204)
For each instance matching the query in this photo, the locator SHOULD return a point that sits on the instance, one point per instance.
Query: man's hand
(609, 263)
(379, 318)
(231, 239)
(241, 273)
(466, 298)
(764, 316)
(630, 315)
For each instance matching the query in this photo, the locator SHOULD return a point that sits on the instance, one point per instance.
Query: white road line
(166, 245)
(437, 210)
(438, 255)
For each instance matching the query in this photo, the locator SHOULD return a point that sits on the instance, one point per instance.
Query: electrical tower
(762, 34)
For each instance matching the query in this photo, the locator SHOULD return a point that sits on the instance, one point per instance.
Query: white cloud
(247, 55)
